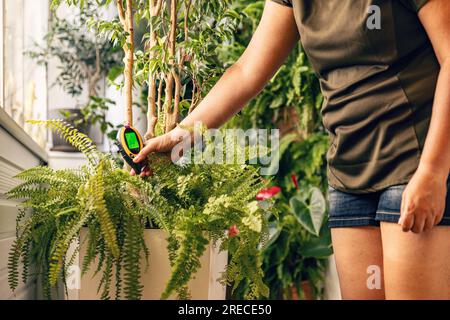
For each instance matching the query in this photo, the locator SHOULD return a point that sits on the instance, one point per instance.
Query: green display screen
(132, 140)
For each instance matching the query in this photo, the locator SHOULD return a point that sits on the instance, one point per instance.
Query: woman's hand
(162, 144)
(423, 201)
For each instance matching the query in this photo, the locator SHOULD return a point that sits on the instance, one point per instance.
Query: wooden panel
(7, 172)
(14, 158)
(8, 213)
(14, 153)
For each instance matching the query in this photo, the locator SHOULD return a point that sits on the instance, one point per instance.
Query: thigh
(416, 266)
(357, 244)
(359, 261)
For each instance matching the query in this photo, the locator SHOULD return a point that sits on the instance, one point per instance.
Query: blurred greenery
(84, 60)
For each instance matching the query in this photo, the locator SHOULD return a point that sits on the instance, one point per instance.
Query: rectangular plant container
(203, 287)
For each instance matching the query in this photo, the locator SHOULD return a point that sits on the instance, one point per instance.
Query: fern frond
(106, 224)
(105, 281)
(187, 262)
(132, 257)
(18, 249)
(13, 265)
(67, 235)
(79, 140)
(91, 250)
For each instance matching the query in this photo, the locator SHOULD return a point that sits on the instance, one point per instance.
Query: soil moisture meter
(130, 143)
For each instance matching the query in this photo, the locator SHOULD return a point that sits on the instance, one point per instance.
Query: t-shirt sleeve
(415, 5)
(287, 3)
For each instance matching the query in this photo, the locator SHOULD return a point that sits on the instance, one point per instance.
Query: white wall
(24, 83)
(14, 157)
(27, 23)
(332, 290)
(35, 76)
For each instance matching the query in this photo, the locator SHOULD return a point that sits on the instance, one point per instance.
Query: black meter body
(130, 143)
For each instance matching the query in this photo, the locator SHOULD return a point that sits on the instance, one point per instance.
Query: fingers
(402, 210)
(414, 221)
(438, 218)
(150, 147)
(429, 223)
(419, 224)
(146, 172)
(408, 222)
(406, 215)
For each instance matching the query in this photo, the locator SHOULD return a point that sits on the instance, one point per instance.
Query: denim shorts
(355, 210)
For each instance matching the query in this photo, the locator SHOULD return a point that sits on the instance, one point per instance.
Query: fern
(13, 265)
(18, 249)
(105, 281)
(62, 243)
(194, 204)
(132, 257)
(106, 224)
(186, 263)
(79, 140)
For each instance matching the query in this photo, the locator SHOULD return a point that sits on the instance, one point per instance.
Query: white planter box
(203, 287)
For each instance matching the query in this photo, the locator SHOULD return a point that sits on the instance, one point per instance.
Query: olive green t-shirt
(378, 74)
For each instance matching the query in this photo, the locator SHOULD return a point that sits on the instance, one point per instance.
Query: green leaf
(317, 247)
(318, 208)
(309, 216)
(115, 72)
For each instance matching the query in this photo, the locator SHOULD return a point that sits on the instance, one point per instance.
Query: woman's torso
(378, 77)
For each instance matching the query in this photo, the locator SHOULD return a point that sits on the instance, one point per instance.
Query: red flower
(268, 193)
(294, 180)
(233, 231)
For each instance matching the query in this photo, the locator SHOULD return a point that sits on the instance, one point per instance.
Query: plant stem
(172, 77)
(126, 18)
(152, 114)
(97, 75)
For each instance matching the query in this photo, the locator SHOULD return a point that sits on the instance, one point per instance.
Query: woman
(384, 69)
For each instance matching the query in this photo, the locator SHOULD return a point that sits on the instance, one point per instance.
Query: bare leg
(357, 251)
(416, 266)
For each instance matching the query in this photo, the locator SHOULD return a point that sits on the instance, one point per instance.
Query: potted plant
(84, 59)
(193, 204)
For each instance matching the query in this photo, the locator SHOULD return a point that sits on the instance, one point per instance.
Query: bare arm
(436, 155)
(424, 198)
(272, 42)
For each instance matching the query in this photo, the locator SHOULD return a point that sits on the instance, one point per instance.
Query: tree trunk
(171, 114)
(152, 112)
(126, 18)
(95, 77)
